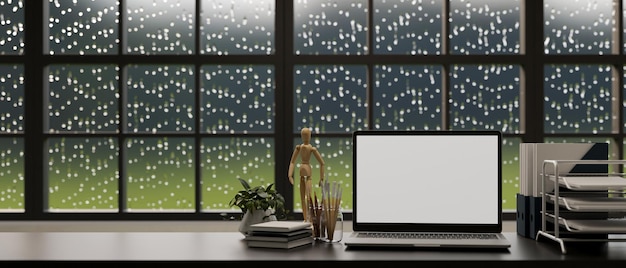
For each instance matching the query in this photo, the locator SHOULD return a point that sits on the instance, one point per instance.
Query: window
(151, 110)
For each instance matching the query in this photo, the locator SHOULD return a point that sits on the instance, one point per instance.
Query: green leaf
(244, 183)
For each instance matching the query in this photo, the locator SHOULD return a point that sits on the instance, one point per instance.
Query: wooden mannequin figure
(305, 150)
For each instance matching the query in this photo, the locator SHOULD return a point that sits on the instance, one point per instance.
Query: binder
(528, 215)
(534, 216)
(522, 215)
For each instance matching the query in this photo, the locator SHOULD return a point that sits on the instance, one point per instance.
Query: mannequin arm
(318, 156)
(292, 163)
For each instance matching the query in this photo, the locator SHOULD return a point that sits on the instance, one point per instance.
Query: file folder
(522, 214)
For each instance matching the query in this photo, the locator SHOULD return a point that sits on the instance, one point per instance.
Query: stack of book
(279, 234)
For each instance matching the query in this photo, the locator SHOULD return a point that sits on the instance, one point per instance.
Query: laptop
(434, 189)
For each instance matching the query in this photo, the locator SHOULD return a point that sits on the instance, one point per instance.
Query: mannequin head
(306, 135)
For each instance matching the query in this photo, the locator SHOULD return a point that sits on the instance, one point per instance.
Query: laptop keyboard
(403, 235)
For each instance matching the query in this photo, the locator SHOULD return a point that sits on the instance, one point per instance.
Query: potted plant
(258, 204)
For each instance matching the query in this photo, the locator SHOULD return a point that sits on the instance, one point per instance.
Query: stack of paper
(280, 234)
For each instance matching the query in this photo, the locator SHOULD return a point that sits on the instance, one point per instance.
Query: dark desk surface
(229, 247)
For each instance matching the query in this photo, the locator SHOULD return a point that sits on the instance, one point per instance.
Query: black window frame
(531, 59)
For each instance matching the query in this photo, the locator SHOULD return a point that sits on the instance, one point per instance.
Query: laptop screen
(427, 181)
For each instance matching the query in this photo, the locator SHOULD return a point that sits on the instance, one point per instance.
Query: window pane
(484, 27)
(577, 98)
(83, 98)
(160, 98)
(510, 173)
(83, 27)
(160, 27)
(407, 97)
(83, 174)
(12, 25)
(11, 98)
(330, 98)
(238, 27)
(578, 26)
(12, 175)
(485, 97)
(161, 174)
(329, 27)
(407, 27)
(337, 156)
(238, 98)
(224, 160)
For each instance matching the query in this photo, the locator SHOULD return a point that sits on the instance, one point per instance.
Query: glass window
(161, 172)
(12, 113)
(227, 159)
(160, 27)
(83, 27)
(577, 98)
(329, 27)
(407, 27)
(12, 175)
(578, 27)
(484, 27)
(160, 98)
(329, 98)
(82, 175)
(12, 25)
(11, 98)
(83, 98)
(485, 97)
(510, 172)
(238, 27)
(408, 97)
(238, 98)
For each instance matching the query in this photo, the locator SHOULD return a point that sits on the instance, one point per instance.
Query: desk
(200, 247)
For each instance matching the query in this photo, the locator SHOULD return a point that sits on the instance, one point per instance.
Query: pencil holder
(333, 223)
(315, 216)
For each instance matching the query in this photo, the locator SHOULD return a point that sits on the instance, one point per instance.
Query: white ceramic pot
(255, 216)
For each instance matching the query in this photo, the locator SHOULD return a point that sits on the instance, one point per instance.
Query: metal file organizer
(582, 207)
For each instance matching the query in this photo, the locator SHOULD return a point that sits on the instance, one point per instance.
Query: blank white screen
(427, 179)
